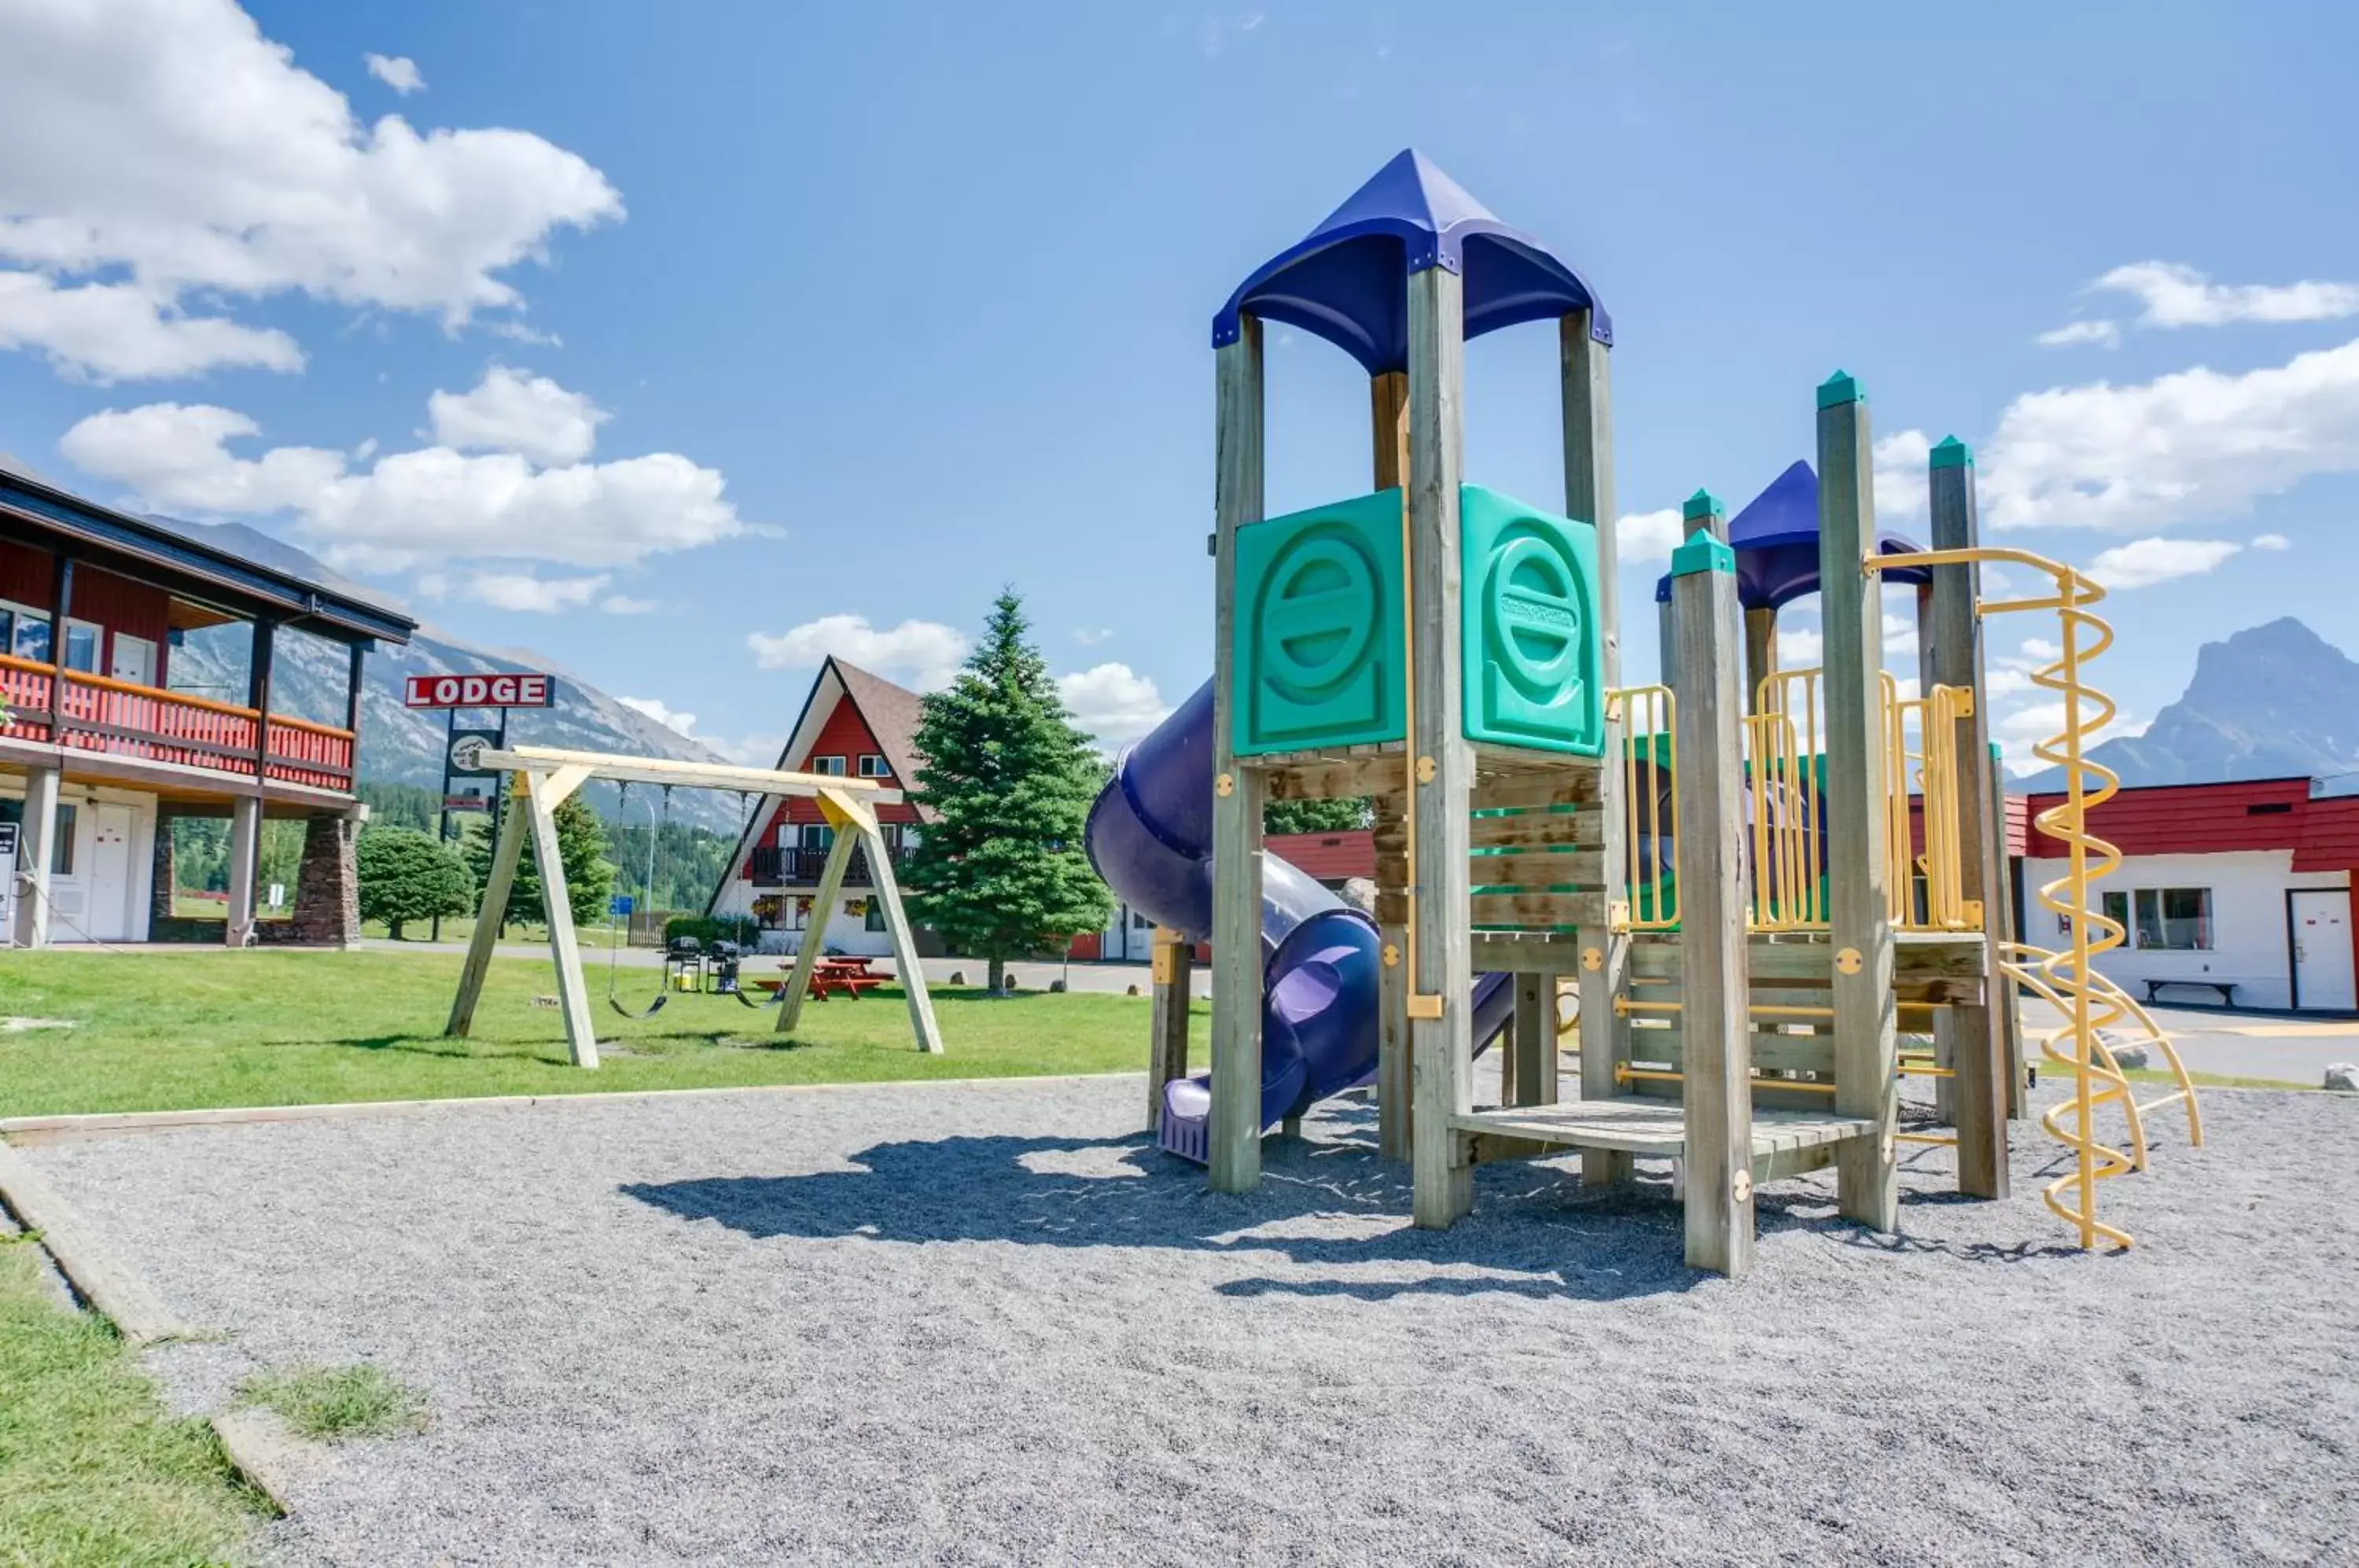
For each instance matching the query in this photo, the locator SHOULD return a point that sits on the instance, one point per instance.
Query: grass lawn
(92, 1470)
(162, 1030)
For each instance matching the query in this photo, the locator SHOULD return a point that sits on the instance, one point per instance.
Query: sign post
(500, 689)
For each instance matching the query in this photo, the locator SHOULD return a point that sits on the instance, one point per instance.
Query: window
(24, 632)
(873, 916)
(82, 640)
(1140, 923)
(818, 835)
(2175, 918)
(61, 848)
(134, 660)
(2117, 909)
(872, 766)
(832, 766)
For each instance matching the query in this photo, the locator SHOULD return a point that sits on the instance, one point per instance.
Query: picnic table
(850, 975)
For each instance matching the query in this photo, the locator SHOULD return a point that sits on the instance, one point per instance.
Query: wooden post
(498, 886)
(245, 861)
(1172, 970)
(1945, 1044)
(1952, 633)
(1237, 792)
(855, 819)
(1442, 770)
(1716, 1025)
(1534, 1057)
(1389, 450)
(359, 657)
(37, 848)
(2002, 899)
(831, 887)
(1760, 654)
(543, 794)
(1860, 927)
(60, 611)
(1588, 416)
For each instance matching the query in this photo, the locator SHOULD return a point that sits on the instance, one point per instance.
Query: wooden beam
(906, 965)
(681, 774)
(572, 992)
(1237, 797)
(1440, 981)
(1167, 1057)
(1388, 428)
(831, 886)
(1974, 1050)
(1587, 420)
(1760, 654)
(1534, 1040)
(357, 657)
(499, 885)
(1389, 468)
(1714, 1022)
(1850, 616)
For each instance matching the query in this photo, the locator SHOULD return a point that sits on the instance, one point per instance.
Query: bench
(2227, 988)
(830, 976)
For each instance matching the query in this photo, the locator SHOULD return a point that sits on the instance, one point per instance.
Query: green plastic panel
(1533, 645)
(1318, 659)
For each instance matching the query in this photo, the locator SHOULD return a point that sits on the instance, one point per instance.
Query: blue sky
(762, 332)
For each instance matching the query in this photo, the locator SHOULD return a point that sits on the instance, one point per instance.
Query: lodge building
(99, 755)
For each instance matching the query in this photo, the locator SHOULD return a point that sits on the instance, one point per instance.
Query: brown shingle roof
(891, 712)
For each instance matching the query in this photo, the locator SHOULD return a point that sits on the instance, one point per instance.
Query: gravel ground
(984, 1324)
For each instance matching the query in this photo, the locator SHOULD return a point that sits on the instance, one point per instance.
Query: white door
(2321, 949)
(107, 883)
(135, 661)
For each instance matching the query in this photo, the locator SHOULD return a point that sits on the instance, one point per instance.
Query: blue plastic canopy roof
(1346, 280)
(1777, 542)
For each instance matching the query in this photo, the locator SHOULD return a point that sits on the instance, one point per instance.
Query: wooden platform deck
(1652, 1128)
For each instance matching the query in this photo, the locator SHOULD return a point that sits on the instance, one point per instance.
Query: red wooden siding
(2330, 838)
(2190, 819)
(1329, 857)
(29, 577)
(847, 736)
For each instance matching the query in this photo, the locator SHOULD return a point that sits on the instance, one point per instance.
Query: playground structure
(540, 778)
(1755, 882)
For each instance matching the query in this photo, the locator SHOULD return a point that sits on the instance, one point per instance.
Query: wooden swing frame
(541, 777)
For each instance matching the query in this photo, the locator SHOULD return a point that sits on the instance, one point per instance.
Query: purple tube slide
(1150, 836)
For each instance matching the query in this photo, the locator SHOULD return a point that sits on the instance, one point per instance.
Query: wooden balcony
(94, 714)
(776, 867)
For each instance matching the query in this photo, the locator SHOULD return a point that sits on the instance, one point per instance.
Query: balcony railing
(776, 867)
(95, 713)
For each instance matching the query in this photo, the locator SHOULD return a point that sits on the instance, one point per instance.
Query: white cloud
(429, 505)
(167, 149)
(123, 331)
(2035, 721)
(397, 71)
(1800, 647)
(1899, 636)
(2176, 295)
(1113, 702)
(2143, 562)
(510, 411)
(2193, 444)
(522, 591)
(2105, 335)
(662, 713)
(623, 604)
(2004, 682)
(1903, 501)
(2271, 541)
(927, 654)
(1648, 536)
(2039, 650)
(1089, 636)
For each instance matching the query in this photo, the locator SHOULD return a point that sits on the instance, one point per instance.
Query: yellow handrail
(1649, 712)
(2021, 961)
(2088, 1005)
(1788, 894)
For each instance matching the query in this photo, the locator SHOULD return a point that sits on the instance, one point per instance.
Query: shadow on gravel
(1326, 1205)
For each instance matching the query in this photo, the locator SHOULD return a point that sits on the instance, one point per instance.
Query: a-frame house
(852, 722)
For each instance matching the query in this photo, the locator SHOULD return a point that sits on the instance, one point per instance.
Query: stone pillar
(165, 878)
(327, 887)
(37, 846)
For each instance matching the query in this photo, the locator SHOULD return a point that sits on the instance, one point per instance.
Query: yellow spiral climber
(2087, 1001)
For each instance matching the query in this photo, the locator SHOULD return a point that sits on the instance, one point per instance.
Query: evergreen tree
(1315, 816)
(581, 850)
(406, 875)
(1000, 872)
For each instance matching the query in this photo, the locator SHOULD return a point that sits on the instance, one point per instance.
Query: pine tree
(1316, 816)
(581, 850)
(406, 875)
(1000, 871)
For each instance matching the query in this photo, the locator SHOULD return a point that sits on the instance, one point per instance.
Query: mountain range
(2273, 702)
(404, 745)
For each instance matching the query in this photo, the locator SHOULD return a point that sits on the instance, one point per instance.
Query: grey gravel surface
(984, 1324)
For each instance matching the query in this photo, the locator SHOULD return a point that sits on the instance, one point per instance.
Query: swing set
(673, 957)
(541, 777)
